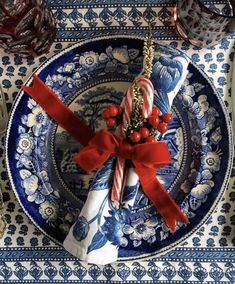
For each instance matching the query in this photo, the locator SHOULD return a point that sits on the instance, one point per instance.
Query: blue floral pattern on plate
(88, 77)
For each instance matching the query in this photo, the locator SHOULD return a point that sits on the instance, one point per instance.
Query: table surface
(208, 256)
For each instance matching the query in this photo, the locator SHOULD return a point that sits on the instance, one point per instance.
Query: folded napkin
(97, 234)
(169, 72)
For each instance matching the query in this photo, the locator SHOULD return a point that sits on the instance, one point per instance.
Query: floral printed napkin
(98, 231)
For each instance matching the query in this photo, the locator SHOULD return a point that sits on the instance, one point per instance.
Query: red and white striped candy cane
(148, 93)
(118, 178)
(127, 107)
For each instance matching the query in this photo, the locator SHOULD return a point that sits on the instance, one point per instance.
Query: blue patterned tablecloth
(208, 256)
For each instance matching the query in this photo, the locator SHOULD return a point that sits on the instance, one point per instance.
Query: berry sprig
(157, 122)
(112, 115)
(160, 122)
(146, 131)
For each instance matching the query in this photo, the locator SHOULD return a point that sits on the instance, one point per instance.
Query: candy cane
(148, 92)
(118, 178)
(128, 106)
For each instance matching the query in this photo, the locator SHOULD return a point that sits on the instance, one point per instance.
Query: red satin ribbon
(57, 110)
(146, 157)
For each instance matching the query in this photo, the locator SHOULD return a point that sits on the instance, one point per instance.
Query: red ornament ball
(105, 114)
(111, 122)
(113, 111)
(135, 137)
(156, 111)
(150, 139)
(162, 127)
(120, 110)
(154, 120)
(167, 117)
(144, 132)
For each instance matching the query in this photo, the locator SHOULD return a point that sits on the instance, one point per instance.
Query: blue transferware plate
(88, 77)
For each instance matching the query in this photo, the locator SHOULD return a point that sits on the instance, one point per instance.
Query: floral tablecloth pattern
(208, 256)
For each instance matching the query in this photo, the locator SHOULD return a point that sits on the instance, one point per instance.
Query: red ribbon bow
(146, 157)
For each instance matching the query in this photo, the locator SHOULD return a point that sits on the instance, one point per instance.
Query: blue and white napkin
(97, 234)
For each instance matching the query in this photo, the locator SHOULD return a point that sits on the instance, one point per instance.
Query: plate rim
(227, 122)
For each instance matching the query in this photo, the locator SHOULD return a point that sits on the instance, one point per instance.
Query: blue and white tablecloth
(208, 256)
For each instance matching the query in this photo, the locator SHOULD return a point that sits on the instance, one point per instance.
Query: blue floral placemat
(26, 255)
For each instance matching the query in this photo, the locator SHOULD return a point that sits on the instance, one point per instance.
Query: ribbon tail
(163, 202)
(57, 110)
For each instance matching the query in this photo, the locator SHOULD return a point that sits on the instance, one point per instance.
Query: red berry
(135, 137)
(167, 117)
(113, 111)
(120, 110)
(105, 114)
(144, 132)
(154, 120)
(162, 127)
(156, 111)
(150, 139)
(111, 122)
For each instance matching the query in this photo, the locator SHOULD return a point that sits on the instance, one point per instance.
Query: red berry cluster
(143, 133)
(159, 122)
(156, 121)
(111, 114)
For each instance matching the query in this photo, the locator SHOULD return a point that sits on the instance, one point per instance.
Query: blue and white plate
(88, 77)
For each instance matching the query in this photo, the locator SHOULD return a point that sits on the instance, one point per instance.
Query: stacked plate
(88, 77)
